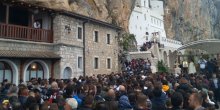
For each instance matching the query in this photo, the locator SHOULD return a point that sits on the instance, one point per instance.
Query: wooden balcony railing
(9, 31)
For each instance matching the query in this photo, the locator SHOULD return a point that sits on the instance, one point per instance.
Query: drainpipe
(84, 48)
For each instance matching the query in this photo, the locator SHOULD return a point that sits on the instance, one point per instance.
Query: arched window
(35, 70)
(67, 73)
(5, 72)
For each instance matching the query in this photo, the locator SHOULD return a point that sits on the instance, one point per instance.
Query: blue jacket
(124, 103)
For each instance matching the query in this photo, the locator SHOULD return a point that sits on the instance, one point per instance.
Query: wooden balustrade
(9, 31)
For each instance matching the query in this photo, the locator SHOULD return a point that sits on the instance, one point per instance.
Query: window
(35, 70)
(96, 36)
(2, 13)
(79, 33)
(96, 63)
(108, 63)
(145, 17)
(80, 62)
(144, 3)
(5, 72)
(108, 39)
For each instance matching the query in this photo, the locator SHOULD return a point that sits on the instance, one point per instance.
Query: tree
(161, 66)
(127, 42)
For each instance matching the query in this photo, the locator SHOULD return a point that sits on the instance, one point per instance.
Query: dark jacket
(124, 103)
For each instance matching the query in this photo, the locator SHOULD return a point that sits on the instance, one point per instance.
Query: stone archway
(67, 73)
(170, 59)
(165, 57)
(42, 63)
(14, 70)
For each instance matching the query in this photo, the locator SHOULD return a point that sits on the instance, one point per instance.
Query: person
(141, 102)
(192, 68)
(177, 71)
(159, 97)
(110, 103)
(195, 101)
(202, 64)
(185, 67)
(177, 101)
(124, 103)
(88, 103)
(215, 87)
(69, 92)
(37, 24)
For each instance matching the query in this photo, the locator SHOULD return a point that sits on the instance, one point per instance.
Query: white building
(147, 21)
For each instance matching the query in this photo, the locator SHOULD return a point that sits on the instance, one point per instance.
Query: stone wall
(100, 49)
(69, 47)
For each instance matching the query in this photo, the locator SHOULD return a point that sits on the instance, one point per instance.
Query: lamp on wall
(33, 66)
(67, 27)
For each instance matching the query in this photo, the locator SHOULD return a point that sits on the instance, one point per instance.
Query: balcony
(16, 32)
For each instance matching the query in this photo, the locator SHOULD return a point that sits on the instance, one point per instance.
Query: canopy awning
(211, 46)
(28, 54)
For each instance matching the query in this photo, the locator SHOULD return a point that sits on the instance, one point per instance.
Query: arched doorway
(36, 69)
(5, 72)
(67, 73)
(10, 70)
(165, 57)
(170, 59)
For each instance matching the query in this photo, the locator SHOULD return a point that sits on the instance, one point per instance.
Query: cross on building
(167, 10)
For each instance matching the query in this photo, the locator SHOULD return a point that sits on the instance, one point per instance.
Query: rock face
(111, 11)
(190, 20)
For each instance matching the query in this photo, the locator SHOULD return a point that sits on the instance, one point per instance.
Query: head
(141, 101)
(88, 101)
(111, 94)
(214, 76)
(122, 89)
(69, 91)
(177, 99)
(54, 85)
(195, 100)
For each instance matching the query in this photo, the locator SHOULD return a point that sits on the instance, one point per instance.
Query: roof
(89, 19)
(64, 12)
(28, 54)
(208, 45)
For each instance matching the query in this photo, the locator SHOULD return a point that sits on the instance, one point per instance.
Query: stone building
(38, 42)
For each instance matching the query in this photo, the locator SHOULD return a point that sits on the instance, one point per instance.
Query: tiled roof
(28, 54)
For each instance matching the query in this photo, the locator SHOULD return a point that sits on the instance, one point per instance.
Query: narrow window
(96, 63)
(96, 35)
(80, 62)
(79, 33)
(108, 39)
(108, 63)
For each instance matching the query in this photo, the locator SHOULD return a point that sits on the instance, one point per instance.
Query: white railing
(171, 41)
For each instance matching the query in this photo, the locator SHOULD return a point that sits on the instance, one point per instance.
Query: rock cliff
(111, 11)
(190, 20)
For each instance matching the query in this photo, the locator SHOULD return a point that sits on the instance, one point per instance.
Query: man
(215, 87)
(124, 103)
(195, 101)
(177, 101)
(202, 64)
(185, 67)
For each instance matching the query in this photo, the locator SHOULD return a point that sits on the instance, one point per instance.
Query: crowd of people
(116, 91)
(146, 46)
(138, 66)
